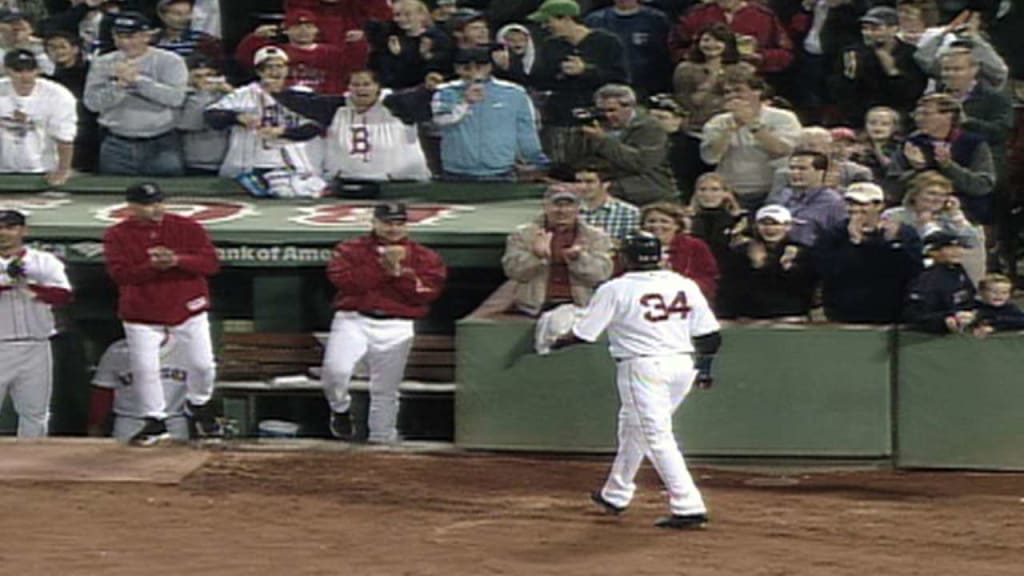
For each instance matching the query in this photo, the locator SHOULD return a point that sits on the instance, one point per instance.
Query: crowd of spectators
(790, 155)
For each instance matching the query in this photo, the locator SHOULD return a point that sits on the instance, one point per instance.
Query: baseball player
(113, 392)
(384, 281)
(31, 283)
(160, 262)
(655, 321)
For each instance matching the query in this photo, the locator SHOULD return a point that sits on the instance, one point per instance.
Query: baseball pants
(386, 345)
(27, 373)
(650, 389)
(196, 354)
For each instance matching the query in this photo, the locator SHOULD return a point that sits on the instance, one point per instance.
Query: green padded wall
(961, 402)
(813, 391)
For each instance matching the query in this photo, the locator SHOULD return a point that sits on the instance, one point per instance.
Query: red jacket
(338, 18)
(754, 19)
(152, 296)
(364, 286)
(323, 68)
(692, 258)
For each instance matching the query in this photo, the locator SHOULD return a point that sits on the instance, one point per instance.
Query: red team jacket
(773, 41)
(151, 296)
(323, 68)
(364, 286)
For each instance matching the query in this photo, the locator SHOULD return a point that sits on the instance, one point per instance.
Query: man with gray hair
(136, 90)
(627, 145)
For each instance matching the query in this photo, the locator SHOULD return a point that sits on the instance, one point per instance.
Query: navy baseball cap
(130, 22)
(144, 193)
(391, 212)
(12, 218)
(21, 59)
(473, 56)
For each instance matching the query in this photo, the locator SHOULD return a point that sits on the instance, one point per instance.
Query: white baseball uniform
(373, 145)
(650, 317)
(26, 325)
(114, 372)
(30, 126)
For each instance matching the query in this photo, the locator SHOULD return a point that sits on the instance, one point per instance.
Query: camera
(588, 115)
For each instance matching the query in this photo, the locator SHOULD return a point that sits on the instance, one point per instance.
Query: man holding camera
(631, 148)
(488, 126)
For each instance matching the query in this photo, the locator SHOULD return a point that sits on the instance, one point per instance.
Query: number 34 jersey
(647, 313)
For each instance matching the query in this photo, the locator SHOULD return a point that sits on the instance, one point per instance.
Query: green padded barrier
(961, 402)
(810, 391)
(278, 233)
(508, 397)
(472, 192)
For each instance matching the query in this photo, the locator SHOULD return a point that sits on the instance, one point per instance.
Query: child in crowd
(881, 139)
(766, 275)
(714, 213)
(995, 311)
(941, 299)
(203, 147)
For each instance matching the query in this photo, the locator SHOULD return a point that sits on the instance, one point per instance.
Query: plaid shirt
(615, 216)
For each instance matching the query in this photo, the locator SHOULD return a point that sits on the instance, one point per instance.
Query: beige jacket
(530, 273)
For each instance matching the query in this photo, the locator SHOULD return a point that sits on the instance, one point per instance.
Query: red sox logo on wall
(347, 215)
(204, 211)
(32, 203)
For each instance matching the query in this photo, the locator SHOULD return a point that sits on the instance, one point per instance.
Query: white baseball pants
(195, 352)
(386, 345)
(26, 370)
(650, 389)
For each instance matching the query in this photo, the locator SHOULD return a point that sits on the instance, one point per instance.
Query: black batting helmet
(642, 249)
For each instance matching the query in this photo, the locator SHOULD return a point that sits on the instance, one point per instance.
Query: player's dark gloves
(703, 366)
(16, 269)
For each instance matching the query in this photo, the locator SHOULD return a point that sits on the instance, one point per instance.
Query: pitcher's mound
(95, 460)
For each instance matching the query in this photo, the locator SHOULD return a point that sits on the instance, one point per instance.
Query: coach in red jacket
(160, 262)
(384, 282)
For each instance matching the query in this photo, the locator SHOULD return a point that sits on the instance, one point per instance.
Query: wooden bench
(255, 365)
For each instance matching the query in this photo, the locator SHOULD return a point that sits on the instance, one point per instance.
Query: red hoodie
(753, 19)
(364, 286)
(151, 296)
(323, 68)
(335, 19)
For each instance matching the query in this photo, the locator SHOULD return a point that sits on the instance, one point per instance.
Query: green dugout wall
(781, 392)
(816, 391)
(961, 402)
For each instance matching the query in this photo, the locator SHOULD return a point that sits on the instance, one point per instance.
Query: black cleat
(153, 432)
(202, 422)
(609, 508)
(683, 521)
(341, 426)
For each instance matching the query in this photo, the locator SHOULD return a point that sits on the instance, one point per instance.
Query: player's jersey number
(656, 310)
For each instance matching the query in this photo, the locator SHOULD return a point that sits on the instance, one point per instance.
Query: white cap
(864, 193)
(774, 212)
(268, 52)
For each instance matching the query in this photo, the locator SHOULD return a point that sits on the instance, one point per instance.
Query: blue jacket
(485, 139)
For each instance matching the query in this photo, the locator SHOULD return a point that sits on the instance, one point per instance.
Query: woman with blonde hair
(715, 214)
(929, 204)
(683, 253)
